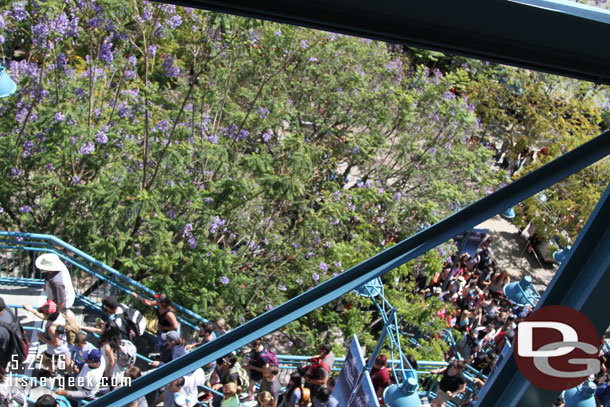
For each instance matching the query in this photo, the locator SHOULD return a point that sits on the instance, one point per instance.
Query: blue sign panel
(353, 383)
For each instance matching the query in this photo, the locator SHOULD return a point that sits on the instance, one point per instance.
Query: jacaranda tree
(229, 162)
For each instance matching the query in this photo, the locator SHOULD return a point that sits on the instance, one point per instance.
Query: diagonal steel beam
(376, 266)
(548, 38)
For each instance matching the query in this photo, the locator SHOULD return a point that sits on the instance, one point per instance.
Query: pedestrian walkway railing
(92, 279)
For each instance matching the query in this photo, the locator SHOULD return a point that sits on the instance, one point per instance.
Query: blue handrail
(18, 243)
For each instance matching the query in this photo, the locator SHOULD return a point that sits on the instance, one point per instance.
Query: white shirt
(192, 381)
(88, 380)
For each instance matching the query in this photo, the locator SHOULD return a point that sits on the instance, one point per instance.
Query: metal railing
(92, 279)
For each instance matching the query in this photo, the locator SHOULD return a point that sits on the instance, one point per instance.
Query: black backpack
(134, 323)
(19, 342)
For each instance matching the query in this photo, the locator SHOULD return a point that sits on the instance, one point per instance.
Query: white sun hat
(50, 262)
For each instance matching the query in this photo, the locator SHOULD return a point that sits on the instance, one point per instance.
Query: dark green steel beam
(495, 30)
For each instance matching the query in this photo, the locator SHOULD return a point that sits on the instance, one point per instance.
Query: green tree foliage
(531, 111)
(230, 163)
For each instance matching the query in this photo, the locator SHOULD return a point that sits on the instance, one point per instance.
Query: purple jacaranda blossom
(147, 14)
(243, 134)
(61, 60)
(87, 148)
(328, 244)
(101, 136)
(208, 200)
(448, 95)
(281, 287)
(187, 233)
(15, 172)
(170, 183)
(59, 116)
(309, 255)
(304, 44)
(356, 150)
(397, 196)
(213, 138)
(106, 51)
(162, 125)
(381, 191)
(296, 245)
(278, 33)
(338, 264)
(224, 280)
(323, 266)
(25, 209)
(61, 24)
(40, 32)
(334, 222)
(298, 281)
(192, 242)
(27, 148)
(262, 112)
(130, 75)
(95, 22)
(18, 12)
(75, 180)
(73, 28)
(315, 277)
(174, 21)
(171, 214)
(216, 223)
(50, 167)
(268, 307)
(267, 136)
(313, 59)
(79, 92)
(1, 209)
(171, 71)
(152, 50)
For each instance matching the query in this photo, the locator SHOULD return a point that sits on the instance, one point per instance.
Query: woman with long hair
(498, 283)
(110, 343)
(294, 391)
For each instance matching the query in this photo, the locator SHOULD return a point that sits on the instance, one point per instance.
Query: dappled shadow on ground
(508, 246)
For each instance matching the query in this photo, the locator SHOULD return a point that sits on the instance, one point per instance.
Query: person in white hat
(57, 281)
(58, 287)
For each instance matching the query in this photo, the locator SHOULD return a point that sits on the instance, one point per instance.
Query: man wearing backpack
(12, 338)
(6, 345)
(128, 320)
(114, 316)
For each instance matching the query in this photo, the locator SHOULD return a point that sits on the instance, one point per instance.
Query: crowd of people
(102, 357)
(471, 288)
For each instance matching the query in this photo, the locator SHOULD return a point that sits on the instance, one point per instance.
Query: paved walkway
(508, 253)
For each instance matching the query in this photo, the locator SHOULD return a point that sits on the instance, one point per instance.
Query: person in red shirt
(380, 375)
